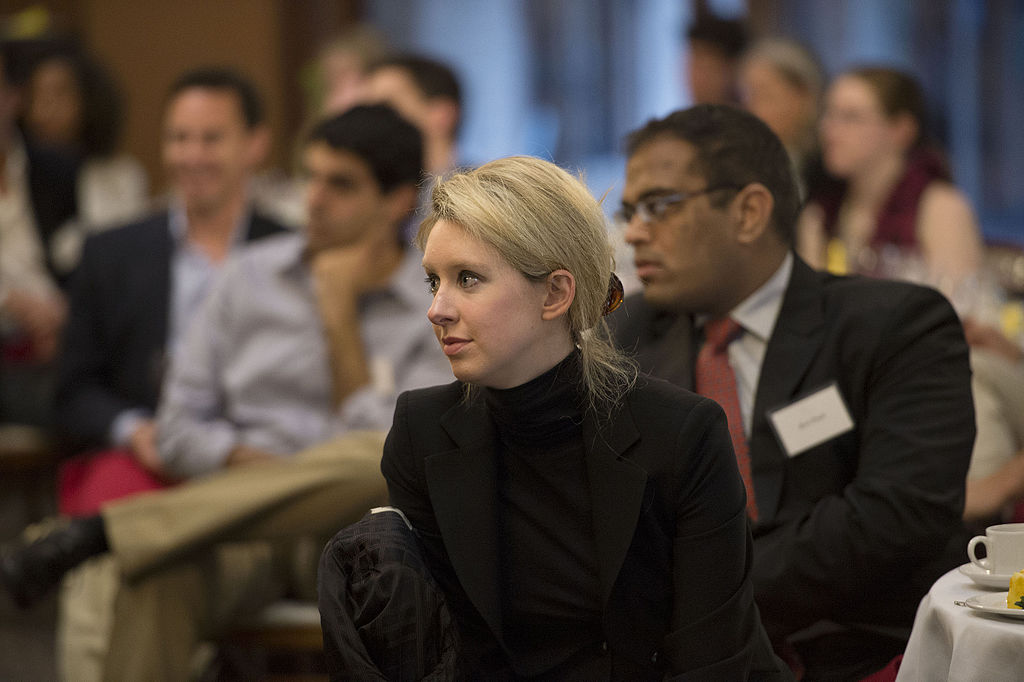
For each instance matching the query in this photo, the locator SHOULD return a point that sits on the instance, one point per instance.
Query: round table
(951, 642)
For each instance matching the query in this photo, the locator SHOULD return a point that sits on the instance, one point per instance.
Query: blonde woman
(582, 522)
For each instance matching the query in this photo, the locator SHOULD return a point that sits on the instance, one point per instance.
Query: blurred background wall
(566, 79)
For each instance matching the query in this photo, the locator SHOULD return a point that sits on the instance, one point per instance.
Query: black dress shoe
(30, 572)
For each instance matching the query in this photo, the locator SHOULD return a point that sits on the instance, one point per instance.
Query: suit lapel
(617, 488)
(153, 282)
(794, 343)
(464, 493)
(671, 354)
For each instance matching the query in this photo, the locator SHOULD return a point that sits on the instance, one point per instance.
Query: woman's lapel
(616, 490)
(464, 493)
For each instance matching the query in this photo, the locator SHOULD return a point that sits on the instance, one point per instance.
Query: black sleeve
(716, 630)
(86, 401)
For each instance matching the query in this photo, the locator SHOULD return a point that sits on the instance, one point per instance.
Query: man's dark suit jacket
(673, 549)
(113, 354)
(854, 530)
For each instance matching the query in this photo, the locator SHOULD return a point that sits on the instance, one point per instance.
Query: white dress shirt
(757, 315)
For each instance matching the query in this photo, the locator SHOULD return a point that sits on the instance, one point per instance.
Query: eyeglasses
(654, 208)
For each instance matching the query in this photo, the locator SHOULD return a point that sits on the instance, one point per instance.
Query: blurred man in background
(713, 49)
(427, 94)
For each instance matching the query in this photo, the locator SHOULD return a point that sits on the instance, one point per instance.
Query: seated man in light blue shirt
(304, 340)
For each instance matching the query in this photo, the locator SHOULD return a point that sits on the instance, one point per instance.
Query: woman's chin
(463, 373)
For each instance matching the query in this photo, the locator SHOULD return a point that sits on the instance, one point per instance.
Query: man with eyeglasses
(848, 399)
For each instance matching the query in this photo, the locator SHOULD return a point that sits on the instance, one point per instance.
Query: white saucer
(982, 577)
(994, 603)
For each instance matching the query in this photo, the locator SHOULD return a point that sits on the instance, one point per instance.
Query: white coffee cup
(1004, 545)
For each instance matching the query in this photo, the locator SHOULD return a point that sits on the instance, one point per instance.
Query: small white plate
(994, 603)
(982, 577)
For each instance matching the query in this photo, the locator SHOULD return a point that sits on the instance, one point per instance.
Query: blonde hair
(541, 219)
(799, 67)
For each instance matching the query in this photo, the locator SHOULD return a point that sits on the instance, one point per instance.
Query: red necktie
(715, 380)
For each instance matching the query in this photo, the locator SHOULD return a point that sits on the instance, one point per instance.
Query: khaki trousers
(85, 612)
(193, 560)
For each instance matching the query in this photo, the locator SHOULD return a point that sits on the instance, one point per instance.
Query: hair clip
(615, 295)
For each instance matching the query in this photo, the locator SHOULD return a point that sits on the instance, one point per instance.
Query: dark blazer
(113, 353)
(672, 542)
(52, 182)
(854, 530)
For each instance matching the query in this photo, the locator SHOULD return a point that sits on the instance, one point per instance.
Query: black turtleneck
(550, 587)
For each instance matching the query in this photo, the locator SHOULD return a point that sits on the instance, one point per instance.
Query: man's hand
(985, 336)
(986, 497)
(340, 276)
(40, 317)
(354, 270)
(143, 445)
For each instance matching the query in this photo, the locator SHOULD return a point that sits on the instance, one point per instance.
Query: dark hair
(431, 77)
(729, 36)
(390, 145)
(897, 91)
(732, 147)
(102, 102)
(220, 78)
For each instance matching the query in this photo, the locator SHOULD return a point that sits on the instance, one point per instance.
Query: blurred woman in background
(896, 206)
(73, 105)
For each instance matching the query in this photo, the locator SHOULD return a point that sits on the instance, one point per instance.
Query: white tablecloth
(957, 643)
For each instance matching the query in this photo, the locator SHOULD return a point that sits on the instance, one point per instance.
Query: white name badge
(811, 420)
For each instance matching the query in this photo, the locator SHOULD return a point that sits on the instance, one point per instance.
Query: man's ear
(442, 117)
(752, 207)
(400, 202)
(259, 145)
(560, 290)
